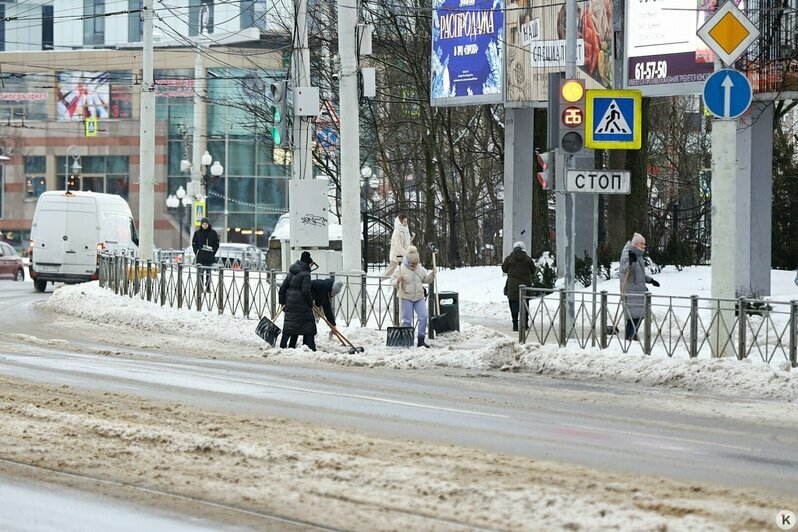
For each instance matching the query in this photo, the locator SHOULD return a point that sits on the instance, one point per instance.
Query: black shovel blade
(400, 337)
(267, 330)
(440, 324)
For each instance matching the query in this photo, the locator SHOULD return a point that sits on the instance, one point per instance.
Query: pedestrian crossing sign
(613, 119)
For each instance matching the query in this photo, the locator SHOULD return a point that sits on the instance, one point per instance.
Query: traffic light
(280, 113)
(545, 161)
(572, 115)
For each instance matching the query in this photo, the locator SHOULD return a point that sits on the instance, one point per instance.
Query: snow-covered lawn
(479, 346)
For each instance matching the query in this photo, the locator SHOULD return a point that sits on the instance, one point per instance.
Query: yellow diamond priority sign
(728, 32)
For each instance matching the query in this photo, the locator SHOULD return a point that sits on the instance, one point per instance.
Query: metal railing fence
(365, 300)
(700, 327)
(671, 325)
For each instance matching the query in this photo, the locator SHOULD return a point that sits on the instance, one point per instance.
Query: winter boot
(421, 342)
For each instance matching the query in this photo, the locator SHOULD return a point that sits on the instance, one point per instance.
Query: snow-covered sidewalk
(139, 323)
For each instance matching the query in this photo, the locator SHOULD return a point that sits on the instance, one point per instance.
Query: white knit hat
(519, 245)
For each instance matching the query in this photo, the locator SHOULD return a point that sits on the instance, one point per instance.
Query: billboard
(467, 52)
(664, 54)
(24, 96)
(536, 46)
(82, 95)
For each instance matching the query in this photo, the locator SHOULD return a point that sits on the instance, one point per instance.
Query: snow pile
(477, 347)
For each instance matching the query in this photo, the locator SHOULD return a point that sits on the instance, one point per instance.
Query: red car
(10, 263)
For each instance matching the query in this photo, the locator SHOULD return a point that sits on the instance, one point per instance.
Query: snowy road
(622, 429)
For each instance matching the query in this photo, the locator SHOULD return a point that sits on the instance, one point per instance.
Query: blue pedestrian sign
(613, 119)
(727, 93)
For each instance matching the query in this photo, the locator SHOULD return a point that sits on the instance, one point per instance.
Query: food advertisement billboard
(467, 52)
(664, 54)
(536, 46)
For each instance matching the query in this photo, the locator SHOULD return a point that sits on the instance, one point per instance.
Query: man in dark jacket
(295, 294)
(205, 243)
(520, 270)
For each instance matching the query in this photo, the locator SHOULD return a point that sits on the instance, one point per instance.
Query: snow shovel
(267, 329)
(440, 322)
(341, 338)
(400, 336)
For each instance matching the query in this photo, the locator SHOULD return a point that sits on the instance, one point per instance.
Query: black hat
(306, 258)
(205, 220)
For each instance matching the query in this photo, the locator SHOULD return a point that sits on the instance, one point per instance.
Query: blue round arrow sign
(727, 93)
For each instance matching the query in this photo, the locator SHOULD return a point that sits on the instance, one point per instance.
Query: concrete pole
(724, 230)
(198, 131)
(518, 176)
(350, 137)
(147, 143)
(570, 213)
(302, 165)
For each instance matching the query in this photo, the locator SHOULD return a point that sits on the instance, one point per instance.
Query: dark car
(10, 263)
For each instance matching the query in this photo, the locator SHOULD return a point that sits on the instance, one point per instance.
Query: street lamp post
(178, 200)
(214, 169)
(73, 152)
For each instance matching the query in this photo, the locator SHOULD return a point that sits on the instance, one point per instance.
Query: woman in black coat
(296, 295)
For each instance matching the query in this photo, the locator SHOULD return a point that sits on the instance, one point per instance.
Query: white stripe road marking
(658, 436)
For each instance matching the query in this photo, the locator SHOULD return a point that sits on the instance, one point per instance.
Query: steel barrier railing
(699, 327)
(366, 300)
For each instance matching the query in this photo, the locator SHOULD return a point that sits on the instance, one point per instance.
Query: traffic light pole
(571, 35)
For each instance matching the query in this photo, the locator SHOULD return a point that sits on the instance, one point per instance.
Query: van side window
(134, 236)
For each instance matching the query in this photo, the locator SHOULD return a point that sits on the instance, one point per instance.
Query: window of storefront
(98, 174)
(35, 180)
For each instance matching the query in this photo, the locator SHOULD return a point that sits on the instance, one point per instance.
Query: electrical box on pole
(572, 115)
(279, 104)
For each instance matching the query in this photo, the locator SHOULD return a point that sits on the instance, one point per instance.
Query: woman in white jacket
(400, 242)
(410, 281)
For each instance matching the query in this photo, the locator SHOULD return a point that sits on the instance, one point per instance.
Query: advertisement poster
(664, 54)
(536, 46)
(82, 95)
(121, 98)
(467, 52)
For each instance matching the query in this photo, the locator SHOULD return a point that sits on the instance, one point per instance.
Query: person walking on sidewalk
(295, 293)
(400, 243)
(205, 243)
(410, 280)
(632, 272)
(520, 270)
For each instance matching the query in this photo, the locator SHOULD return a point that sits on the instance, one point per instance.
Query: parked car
(10, 263)
(231, 255)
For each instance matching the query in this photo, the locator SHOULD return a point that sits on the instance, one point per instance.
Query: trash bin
(450, 305)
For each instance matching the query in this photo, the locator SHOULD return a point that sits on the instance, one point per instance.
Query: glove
(632, 256)
(655, 282)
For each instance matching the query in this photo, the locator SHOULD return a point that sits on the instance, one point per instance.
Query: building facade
(69, 109)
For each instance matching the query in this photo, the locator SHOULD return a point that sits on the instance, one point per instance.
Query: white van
(69, 231)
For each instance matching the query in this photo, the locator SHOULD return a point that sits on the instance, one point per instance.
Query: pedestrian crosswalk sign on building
(613, 119)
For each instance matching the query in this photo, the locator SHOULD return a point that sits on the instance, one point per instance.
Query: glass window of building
(109, 174)
(200, 17)
(93, 22)
(135, 28)
(47, 27)
(35, 176)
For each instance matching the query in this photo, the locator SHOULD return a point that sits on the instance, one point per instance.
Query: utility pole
(570, 203)
(302, 165)
(147, 142)
(350, 137)
(198, 129)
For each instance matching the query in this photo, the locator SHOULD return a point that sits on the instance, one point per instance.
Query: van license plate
(46, 268)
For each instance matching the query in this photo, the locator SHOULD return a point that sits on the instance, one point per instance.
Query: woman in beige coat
(400, 242)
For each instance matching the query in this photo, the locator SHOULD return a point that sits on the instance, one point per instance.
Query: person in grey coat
(633, 283)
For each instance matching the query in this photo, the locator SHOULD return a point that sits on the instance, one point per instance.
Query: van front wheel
(40, 286)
